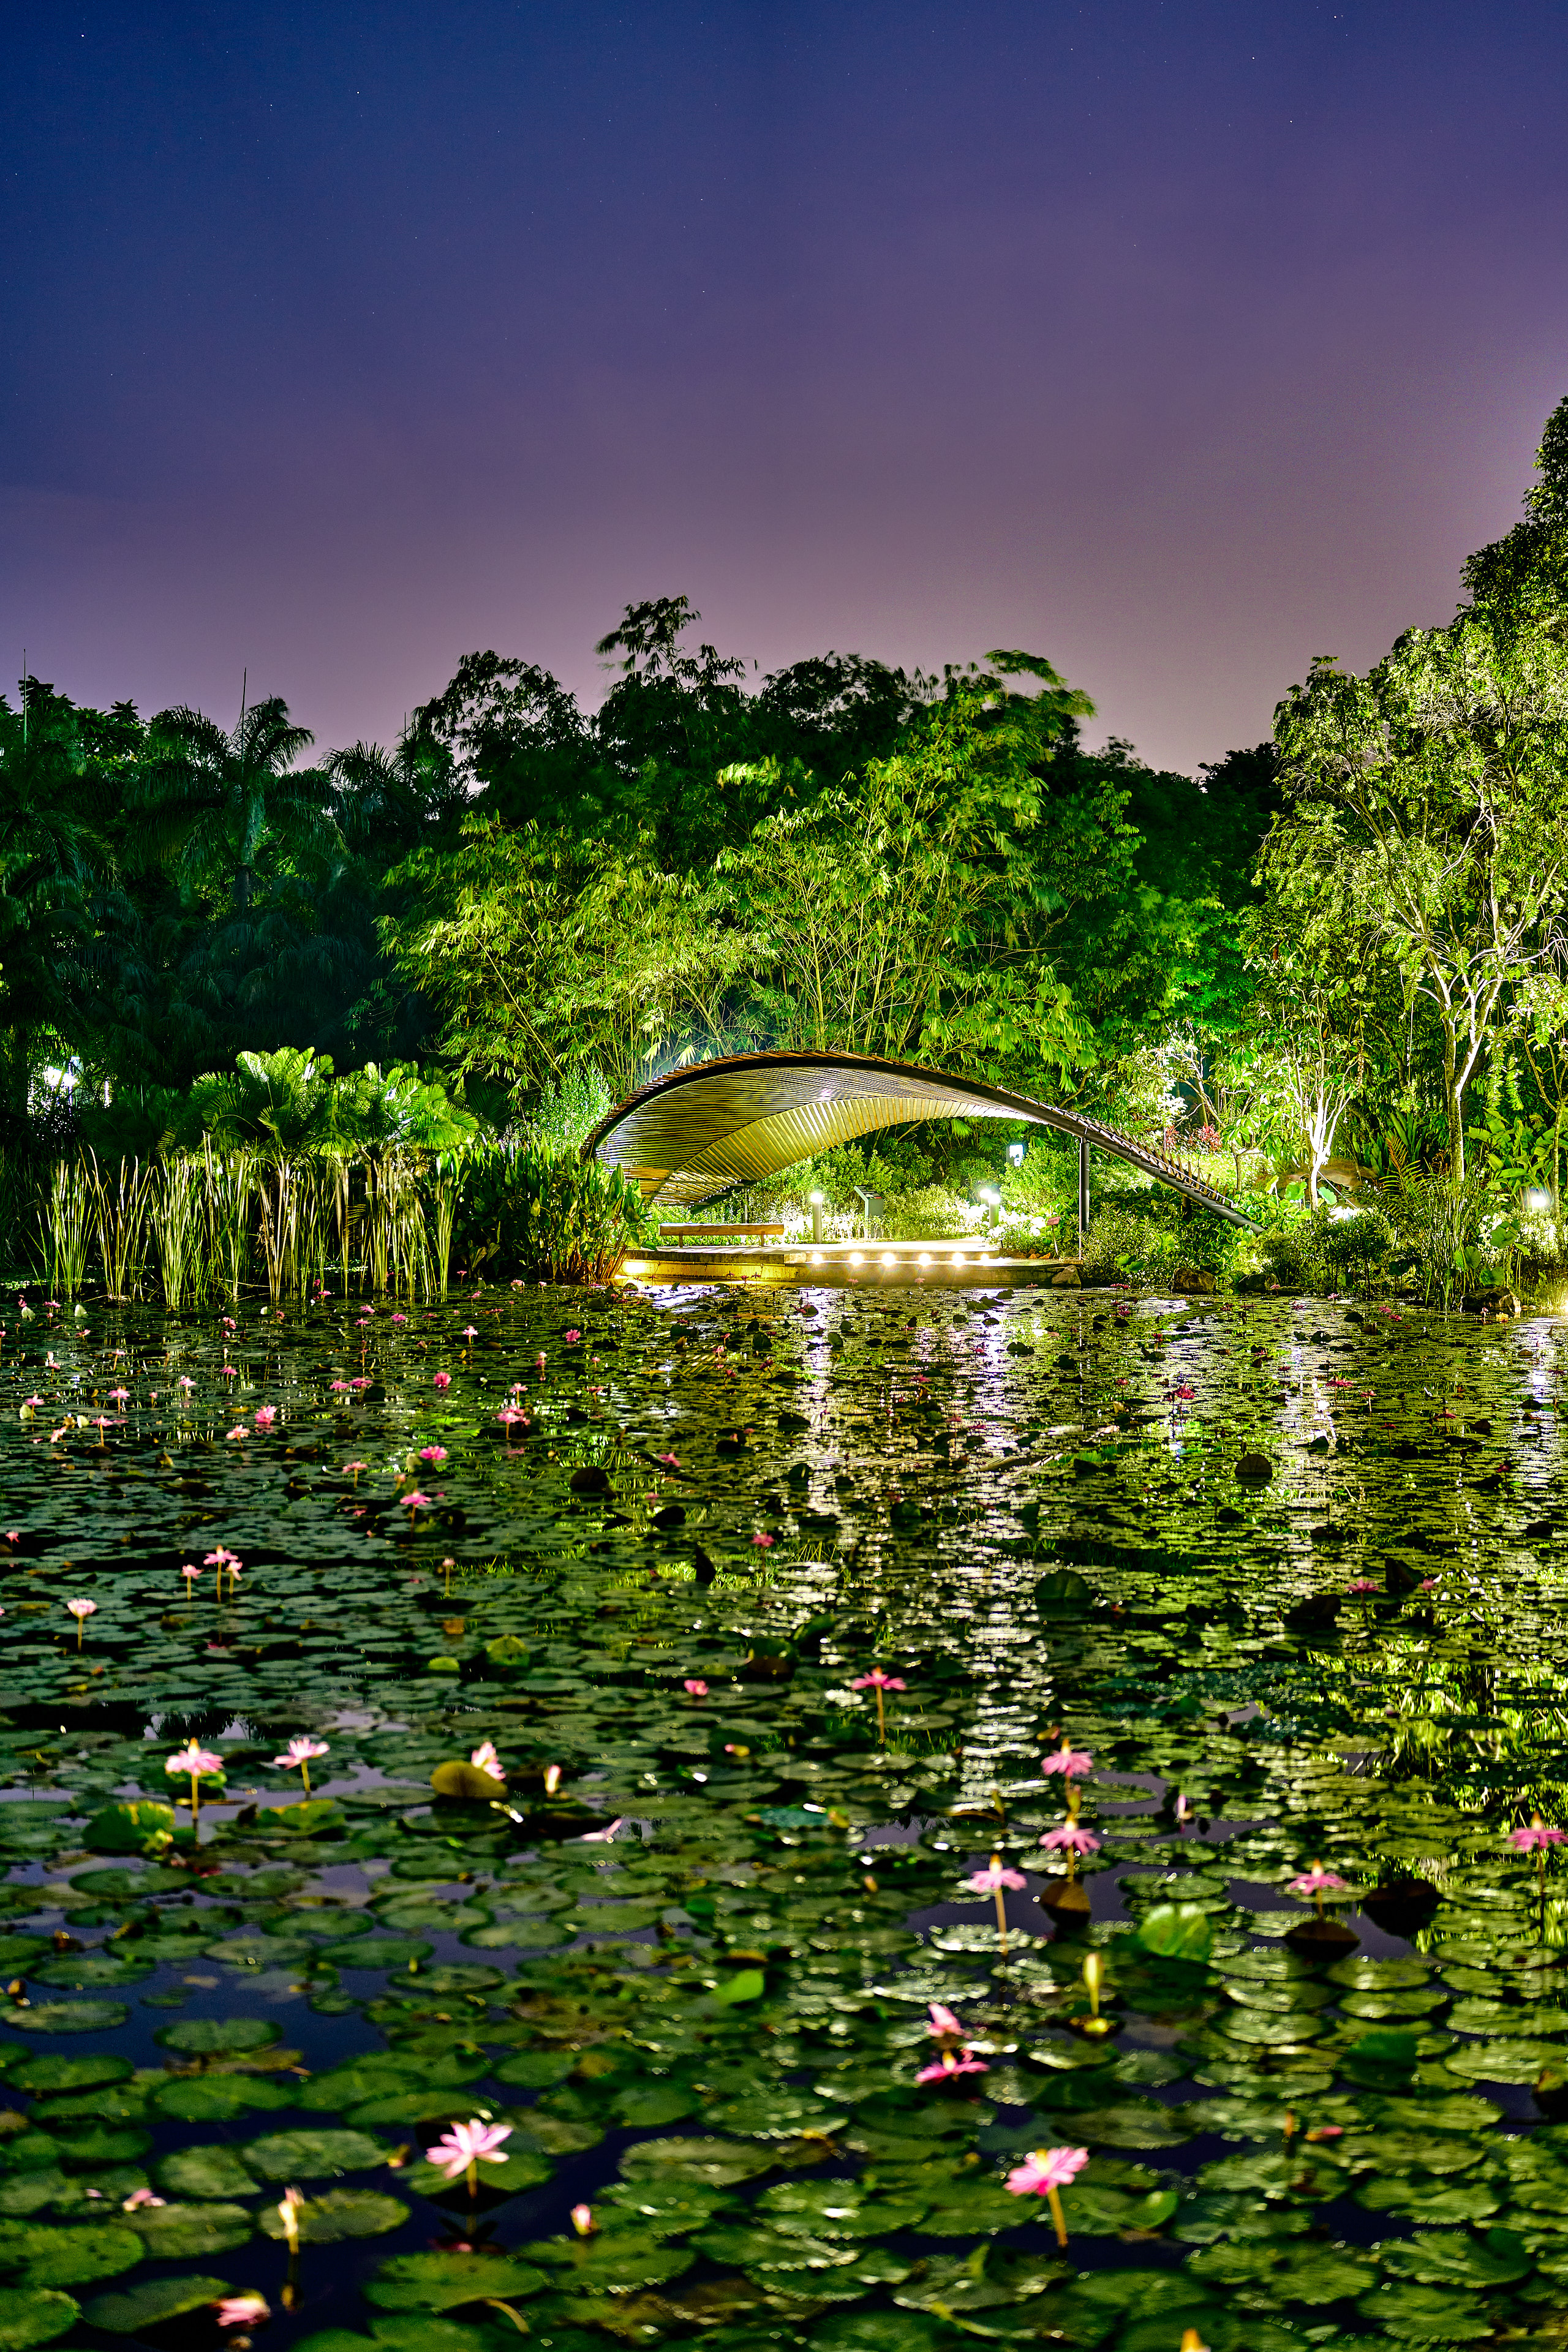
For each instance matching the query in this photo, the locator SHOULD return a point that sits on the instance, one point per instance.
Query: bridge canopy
(690, 1137)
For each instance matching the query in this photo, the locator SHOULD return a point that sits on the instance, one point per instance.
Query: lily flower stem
(1002, 1921)
(473, 2180)
(196, 1797)
(881, 1720)
(1054, 2198)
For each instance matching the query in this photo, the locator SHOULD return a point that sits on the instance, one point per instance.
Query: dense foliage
(1335, 958)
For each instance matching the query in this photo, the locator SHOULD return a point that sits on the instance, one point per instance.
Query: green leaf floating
(340, 2213)
(54, 2072)
(466, 1781)
(1176, 1931)
(218, 2098)
(1463, 2262)
(209, 2036)
(184, 2233)
(307, 2154)
(204, 2174)
(438, 2281)
(141, 1827)
(142, 2307)
(1426, 2314)
(68, 2016)
(520, 2169)
(31, 2315)
(74, 2256)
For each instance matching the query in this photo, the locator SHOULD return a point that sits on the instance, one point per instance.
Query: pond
(913, 1710)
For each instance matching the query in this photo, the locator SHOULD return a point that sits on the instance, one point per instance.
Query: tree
(216, 800)
(911, 915)
(1426, 821)
(1526, 572)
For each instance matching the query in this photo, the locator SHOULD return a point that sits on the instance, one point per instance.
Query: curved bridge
(692, 1135)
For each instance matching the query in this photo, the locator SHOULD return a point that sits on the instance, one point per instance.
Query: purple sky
(1177, 343)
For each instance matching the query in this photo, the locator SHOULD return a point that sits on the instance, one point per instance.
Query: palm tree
(215, 799)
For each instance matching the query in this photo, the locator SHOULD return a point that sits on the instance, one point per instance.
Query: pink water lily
(992, 1881)
(442, 1381)
(1074, 1761)
(1072, 1838)
(951, 2065)
(81, 1609)
(485, 1759)
(243, 2310)
(196, 1763)
(435, 1455)
(1046, 2172)
(695, 1687)
(1532, 1839)
(877, 1683)
(463, 2148)
(265, 1415)
(416, 1501)
(298, 1755)
(1316, 1882)
(1537, 1839)
(943, 2022)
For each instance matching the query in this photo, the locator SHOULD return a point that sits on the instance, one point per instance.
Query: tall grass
(175, 1213)
(120, 1204)
(199, 1226)
(67, 1226)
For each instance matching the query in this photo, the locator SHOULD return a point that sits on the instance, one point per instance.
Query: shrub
(1356, 1248)
(929, 1213)
(548, 1218)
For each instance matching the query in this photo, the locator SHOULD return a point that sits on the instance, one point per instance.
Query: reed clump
(285, 1177)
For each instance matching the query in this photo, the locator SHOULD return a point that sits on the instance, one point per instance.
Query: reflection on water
(1289, 1571)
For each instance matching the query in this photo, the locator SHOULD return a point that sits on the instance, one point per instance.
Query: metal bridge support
(1082, 1195)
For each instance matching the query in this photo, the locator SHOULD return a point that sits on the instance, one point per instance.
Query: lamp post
(816, 1201)
(992, 1199)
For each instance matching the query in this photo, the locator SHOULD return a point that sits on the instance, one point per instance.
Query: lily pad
(1426, 2314)
(54, 2071)
(209, 2174)
(438, 2281)
(185, 2232)
(209, 2036)
(308, 2155)
(31, 2315)
(716, 2161)
(68, 2016)
(519, 2168)
(72, 2257)
(141, 1827)
(217, 2099)
(1461, 2261)
(340, 2213)
(149, 2304)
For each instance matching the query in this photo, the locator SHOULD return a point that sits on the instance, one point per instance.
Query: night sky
(1178, 342)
